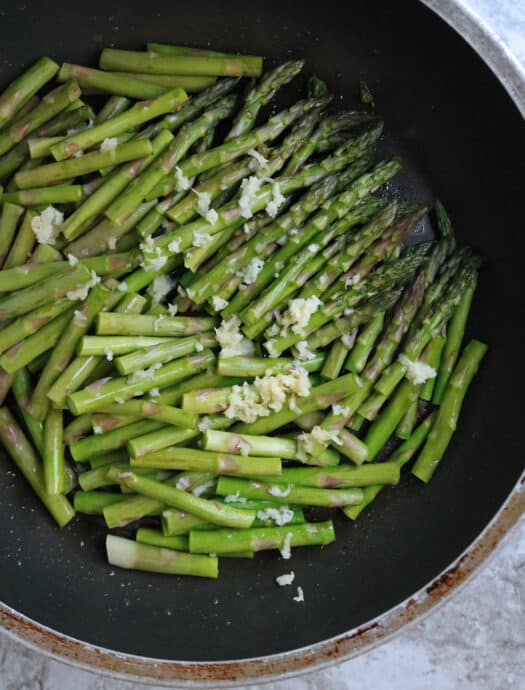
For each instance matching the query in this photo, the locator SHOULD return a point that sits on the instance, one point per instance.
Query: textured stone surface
(474, 642)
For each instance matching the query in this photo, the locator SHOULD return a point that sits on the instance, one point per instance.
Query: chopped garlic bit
(279, 493)
(80, 315)
(144, 374)
(318, 435)
(112, 243)
(273, 330)
(303, 351)
(250, 272)
(199, 347)
(199, 490)
(153, 258)
(174, 246)
(277, 200)
(154, 393)
(46, 226)
(204, 424)
(211, 216)
(73, 261)
(159, 288)
(286, 551)
(299, 312)
(201, 238)
(122, 287)
(261, 160)
(417, 372)
(81, 293)
(231, 340)
(109, 144)
(183, 483)
(218, 303)
(348, 339)
(234, 498)
(109, 354)
(285, 579)
(249, 188)
(300, 595)
(172, 309)
(353, 280)
(182, 183)
(338, 409)
(267, 394)
(276, 516)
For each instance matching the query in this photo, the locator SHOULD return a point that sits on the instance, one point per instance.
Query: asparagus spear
(448, 413)
(24, 87)
(126, 553)
(53, 455)
(8, 221)
(261, 538)
(151, 63)
(400, 457)
(89, 446)
(452, 345)
(23, 455)
(288, 493)
(143, 111)
(206, 461)
(87, 163)
(52, 103)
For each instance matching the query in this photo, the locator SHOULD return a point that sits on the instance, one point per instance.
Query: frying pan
(462, 140)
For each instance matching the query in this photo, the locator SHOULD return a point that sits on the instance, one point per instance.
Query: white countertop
(474, 642)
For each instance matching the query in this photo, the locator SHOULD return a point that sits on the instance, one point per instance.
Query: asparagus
(24, 87)
(448, 413)
(108, 475)
(364, 344)
(65, 347)
(344, 476)
(107, 82)
(59, 194)
(163, 353)
(21, 354)
(105, 194)
(177, 522)
(110, 323)
(89, 446)
(116, 345)
(52, 103)
(384, 425)
(87, 163)
(206, 461)
(400, 457)
(149, 408)
(21, 388)
(168, 49)
(451, 348)
(430, 324)
(53, 455)
(23, 243)
(151, 63)
(288, 493)
(138, 114)
(434, 358)
(20, 451)
(175, 151)
(102, 393)
(93, 502)
(8, 221)
(258, 366)
(217, 513)
(272, 446)
(125, 553)
(190, 84)
(158, 440)
(154, 537)
(261, 538)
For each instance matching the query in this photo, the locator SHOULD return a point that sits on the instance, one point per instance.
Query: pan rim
(347, 645)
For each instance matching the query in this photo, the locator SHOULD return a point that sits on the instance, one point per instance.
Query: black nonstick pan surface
(462, 140)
